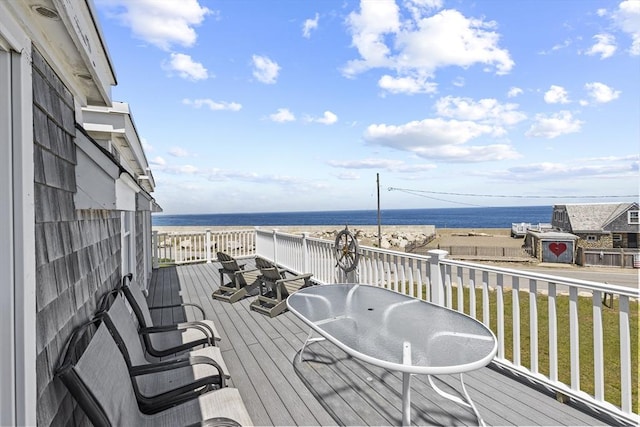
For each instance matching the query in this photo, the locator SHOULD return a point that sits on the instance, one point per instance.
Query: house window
(633, 217)
(592, 238)
(617, 237)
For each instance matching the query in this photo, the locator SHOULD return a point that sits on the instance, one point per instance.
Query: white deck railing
(527, 346)
(185, 248)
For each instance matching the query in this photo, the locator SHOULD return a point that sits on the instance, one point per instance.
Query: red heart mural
(557, 248)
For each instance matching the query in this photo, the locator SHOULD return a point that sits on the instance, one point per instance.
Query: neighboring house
(600, 225)
(75, 197)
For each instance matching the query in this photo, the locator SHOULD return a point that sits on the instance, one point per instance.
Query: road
(613, 276)
(627, 277)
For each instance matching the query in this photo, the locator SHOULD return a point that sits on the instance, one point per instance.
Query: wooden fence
(612, 257)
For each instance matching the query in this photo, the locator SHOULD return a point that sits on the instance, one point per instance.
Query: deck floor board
(329, 387)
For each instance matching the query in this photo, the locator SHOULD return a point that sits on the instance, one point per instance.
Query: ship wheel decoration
(346, 250)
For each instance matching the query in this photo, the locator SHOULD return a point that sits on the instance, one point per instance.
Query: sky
(285, 106)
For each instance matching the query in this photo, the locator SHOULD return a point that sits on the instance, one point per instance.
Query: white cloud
(381, 164)
(282, 115)
(158, 161)
(440, 139)
(549, 171)
(386, 164)
(556, 95)
(605, 46)
(486, 110)
(407, 84)
(146, 146)
(601, 93)
(348, 176)
(186, 67)
(368, 29)
(513, 92)
(181, 170)
(328, 118)
(310, 24)
(412, 43)
(163, 23)
(178, 152)
(265, 70)
(554, 125)
(627, 17)
(565, 44)
(458, 82)
(213, 105)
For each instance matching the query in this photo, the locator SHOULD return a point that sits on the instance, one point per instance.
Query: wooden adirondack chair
(242, 281)
(275, 287)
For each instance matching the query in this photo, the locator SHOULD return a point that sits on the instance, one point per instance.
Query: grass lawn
(611, 339)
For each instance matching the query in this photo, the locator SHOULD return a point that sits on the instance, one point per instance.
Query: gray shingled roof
(593, 217)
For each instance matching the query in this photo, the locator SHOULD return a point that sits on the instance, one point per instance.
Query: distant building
(599, 225)
(75, 198)
(551, 246)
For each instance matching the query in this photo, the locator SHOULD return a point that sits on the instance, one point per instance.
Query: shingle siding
(77, 252)
(600, 221)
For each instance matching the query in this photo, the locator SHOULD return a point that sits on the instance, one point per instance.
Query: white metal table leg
(309, 340)
(406, 399)
(468, 403)
(406, 385)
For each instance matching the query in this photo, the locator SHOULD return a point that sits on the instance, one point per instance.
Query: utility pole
(379, 229)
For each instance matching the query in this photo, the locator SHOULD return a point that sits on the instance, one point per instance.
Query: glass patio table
(396, 332)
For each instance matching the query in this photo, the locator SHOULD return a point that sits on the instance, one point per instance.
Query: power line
(437, 198)
(520, 196)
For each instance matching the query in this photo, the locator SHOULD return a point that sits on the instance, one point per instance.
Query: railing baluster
(389, 283)
(500, 314)
(515, 296)
(460, 281)
(598, 354)
(553, 333)
(486, 313)
(413, 272)
(625, 354)
(447, 284)
(533, 325)
(574, 346)
(472, 293)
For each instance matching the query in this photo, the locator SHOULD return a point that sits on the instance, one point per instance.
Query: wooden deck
(331, 388)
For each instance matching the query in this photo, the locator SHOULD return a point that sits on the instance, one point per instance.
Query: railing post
(305, 252)
(435, 275)
(207, 243)
(156, 250)
(275, 246)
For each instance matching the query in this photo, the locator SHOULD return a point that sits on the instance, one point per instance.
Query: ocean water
(492, 217)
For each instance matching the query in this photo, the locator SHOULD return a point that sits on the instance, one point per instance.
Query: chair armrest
(180, 362)
(184, 304)
(304, 277)
(206, 331)
(198, 324)
(163, 401)
(217, 422)
(241, 272)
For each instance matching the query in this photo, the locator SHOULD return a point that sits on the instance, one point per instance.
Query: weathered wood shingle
(77, 252)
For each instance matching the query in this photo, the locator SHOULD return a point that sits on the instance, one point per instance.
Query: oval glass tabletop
(393, 330)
